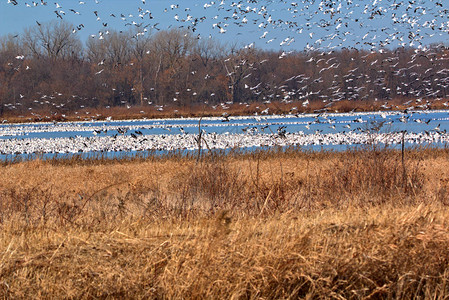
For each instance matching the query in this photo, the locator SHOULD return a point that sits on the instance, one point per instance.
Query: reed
(268, 224)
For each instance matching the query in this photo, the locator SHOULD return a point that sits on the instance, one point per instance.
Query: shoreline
(234, 117)
(197, 112)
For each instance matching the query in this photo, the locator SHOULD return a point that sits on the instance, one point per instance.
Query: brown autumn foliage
(270, 224)
(173, 70)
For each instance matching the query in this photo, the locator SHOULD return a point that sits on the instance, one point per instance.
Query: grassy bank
(264, 225)
(237, 109)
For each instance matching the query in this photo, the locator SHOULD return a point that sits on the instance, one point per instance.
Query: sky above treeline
(270, 25)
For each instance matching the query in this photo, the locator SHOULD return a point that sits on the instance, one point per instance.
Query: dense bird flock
(325, 131)
(332, 51)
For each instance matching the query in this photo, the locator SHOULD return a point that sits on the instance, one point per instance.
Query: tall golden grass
(270, 224)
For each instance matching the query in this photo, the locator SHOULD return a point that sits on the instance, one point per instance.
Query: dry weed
(263, 225)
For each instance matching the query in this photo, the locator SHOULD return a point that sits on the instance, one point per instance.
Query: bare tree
(173, 45)
(171, 49)
(208, 50)
(11, 62)
(238, 65)
(140, 49)
(55, 40)
(113, 49)
(11, 45)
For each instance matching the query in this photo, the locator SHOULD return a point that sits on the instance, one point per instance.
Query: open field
(363, 224)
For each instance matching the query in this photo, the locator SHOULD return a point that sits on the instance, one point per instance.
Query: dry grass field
(267, 225)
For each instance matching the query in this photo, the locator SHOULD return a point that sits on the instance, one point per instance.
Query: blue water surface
(414, 122)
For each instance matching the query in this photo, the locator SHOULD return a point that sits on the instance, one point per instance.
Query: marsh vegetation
(268, 224)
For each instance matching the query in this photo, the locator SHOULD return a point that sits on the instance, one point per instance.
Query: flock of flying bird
(322, 26)
(319, 25)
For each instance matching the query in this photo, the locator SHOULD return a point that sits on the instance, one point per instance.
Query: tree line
(49, 66)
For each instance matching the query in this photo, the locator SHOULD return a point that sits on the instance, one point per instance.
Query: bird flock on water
(329, 130)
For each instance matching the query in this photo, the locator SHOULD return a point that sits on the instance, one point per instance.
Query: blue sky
(275, 24)
(15, 18)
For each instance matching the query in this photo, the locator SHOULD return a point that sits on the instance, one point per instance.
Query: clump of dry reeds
(253, 184)
(279, 224)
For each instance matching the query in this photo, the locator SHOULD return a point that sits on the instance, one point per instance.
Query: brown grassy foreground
(362, 224)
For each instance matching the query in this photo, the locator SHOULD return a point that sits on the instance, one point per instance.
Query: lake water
(310, 131)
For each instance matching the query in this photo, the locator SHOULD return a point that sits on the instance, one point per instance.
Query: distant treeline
(47, 66)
